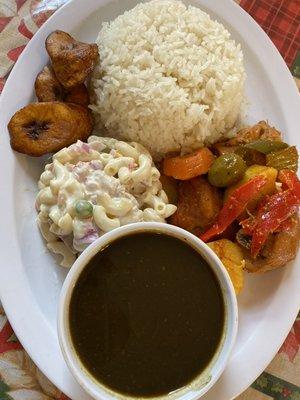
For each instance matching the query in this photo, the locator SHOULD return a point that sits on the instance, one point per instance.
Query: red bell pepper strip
(248, 226)
(234, 206)
(290, 180)
(279, 207)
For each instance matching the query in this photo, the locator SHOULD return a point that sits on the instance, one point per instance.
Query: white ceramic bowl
(210, 375)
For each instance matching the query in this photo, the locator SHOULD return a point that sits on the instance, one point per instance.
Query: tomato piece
(234, 206)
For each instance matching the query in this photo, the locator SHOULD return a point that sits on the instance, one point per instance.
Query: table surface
(20, 379)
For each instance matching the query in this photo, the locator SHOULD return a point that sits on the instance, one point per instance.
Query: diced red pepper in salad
(234, 206)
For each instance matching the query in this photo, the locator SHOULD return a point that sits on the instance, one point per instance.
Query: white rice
(169, 78)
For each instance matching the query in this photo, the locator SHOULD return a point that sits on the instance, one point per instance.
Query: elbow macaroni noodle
(118, 182)
(104, 221)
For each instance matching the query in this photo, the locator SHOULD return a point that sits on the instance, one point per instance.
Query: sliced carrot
(189, 166)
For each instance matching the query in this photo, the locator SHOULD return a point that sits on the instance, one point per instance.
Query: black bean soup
(146, 315)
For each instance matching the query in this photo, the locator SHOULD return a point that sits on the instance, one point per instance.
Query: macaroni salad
(92, 188)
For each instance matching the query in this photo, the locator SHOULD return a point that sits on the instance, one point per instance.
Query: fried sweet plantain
(42, 128)
(78, 95)
(72, 61)
(47, 87)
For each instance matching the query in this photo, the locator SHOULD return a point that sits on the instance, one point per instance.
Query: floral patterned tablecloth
(20, 379)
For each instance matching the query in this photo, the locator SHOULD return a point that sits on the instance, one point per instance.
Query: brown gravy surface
(146, 315)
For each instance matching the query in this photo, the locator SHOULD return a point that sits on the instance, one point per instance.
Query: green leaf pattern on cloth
(3, 391)
(276, 388)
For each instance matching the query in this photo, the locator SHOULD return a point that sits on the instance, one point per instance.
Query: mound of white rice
(169, 78)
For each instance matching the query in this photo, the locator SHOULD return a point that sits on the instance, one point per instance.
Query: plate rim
(290, 93)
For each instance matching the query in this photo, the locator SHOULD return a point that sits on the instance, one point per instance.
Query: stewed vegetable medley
(241, 196)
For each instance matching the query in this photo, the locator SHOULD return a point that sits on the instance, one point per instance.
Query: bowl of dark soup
(147, 311)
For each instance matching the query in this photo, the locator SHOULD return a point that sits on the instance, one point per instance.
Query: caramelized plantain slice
(78, 95)
(72, 61)
(42, 128)
(47, 87)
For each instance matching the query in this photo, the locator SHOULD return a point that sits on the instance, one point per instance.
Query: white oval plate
(30, 280)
